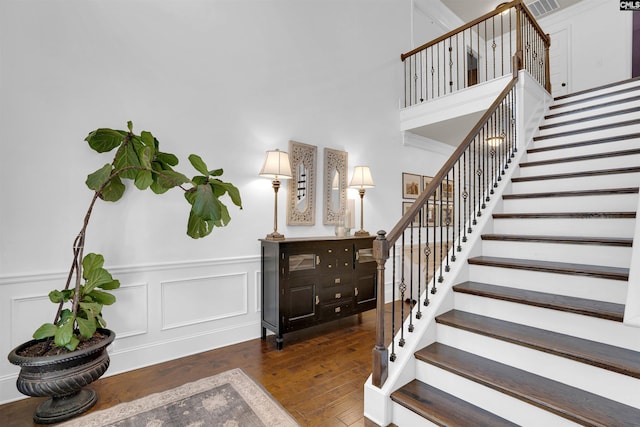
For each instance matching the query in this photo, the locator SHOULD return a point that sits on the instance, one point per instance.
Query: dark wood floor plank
(568, 402)
(444, 409)
(615, 359)
(318, 377)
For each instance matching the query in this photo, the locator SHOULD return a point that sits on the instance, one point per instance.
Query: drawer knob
(337, 280)
(317, 300)
(337, 310)
(338, 295)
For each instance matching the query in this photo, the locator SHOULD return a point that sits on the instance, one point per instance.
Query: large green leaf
(104, 298)
(145, 155)
(98, 178)
(87, 327)
(114, 190)
(104, 140)
(97, 278)
(144, 179)
(199, 164)
(230, 189)
(169, 179)
(90, 263)
(127, 161)
(197, 227)
(64, 333)
(168, 158)
(45, 331)
(205, 204)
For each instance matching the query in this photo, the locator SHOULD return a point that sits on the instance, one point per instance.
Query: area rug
(229, 399)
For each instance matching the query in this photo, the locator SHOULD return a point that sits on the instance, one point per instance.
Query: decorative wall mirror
(301, 208)
(335, 185)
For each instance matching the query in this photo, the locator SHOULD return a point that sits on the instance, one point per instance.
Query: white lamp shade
(361, 178)
(494, 141)
(276, 165)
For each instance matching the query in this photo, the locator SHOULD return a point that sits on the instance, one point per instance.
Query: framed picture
(426, 180)
(431, 215)
(417, 220)
(411, 185)
(446, 191)
(446, 214)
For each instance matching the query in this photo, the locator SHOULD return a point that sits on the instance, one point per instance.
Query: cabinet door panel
(301, 302)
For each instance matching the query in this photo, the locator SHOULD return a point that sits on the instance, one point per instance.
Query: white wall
(599, 42)
(224, 79)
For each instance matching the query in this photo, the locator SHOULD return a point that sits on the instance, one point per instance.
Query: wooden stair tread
(601, 271)
(593, 107)
(580, 174)
(584, 143)
(587, 129)
(591, 117)
(583, 306)
(592, 98)
(568, 402)
(611, 358)
(443, 408)
(566, 215)
(597, 88)
(574, 193)
(584, 157)
(605, 241)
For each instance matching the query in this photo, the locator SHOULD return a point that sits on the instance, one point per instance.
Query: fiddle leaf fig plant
(139, 159)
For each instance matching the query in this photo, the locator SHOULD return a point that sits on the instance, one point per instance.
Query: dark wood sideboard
(308, 281)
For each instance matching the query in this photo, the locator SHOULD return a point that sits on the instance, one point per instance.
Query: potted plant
(69, 353)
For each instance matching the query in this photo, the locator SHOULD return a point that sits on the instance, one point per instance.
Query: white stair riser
(587, 227)
(561, 284)
(580, 166)
(593, 203)
(604, 147)
(491, 400)
(621, 180)
(571, 127)
(577, 114)
(586, 327)
(611, 385)
(405, 417)
(585, 136)
(612, 256)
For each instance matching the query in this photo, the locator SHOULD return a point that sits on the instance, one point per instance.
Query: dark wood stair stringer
(444, 409)
(611, 358)
(568, 402)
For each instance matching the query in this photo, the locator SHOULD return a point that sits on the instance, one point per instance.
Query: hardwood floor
(318, 376)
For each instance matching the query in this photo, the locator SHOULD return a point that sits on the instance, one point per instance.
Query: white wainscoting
(163, 311)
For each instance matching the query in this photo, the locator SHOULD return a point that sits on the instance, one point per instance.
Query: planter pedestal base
(58, 409)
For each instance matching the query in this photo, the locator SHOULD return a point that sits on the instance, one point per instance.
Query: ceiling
(468, 10)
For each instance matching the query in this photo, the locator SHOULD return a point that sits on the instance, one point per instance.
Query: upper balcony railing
(482, 50)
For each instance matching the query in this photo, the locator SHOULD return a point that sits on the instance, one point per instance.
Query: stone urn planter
(62, 377)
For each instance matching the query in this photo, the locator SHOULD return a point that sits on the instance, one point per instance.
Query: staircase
(535, 336)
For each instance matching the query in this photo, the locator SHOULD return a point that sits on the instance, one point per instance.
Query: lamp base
(361, 233)
(275, 236)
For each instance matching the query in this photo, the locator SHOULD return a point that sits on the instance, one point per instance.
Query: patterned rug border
(270, 411)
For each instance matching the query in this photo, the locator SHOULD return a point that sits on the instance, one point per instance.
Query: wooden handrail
(499, 10)
(383, 243)
(431, 188)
